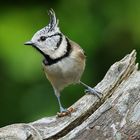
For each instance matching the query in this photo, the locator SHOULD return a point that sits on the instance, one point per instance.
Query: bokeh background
(106, 30)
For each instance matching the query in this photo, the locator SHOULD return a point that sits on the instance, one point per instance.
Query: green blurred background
(106, 30)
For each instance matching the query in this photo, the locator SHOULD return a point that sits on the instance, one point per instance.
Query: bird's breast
(65, 72)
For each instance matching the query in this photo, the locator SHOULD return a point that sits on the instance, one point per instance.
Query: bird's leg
(60, 105)
(91, 90)
(63, 112)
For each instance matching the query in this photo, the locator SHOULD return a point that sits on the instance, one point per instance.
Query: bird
(64, 60)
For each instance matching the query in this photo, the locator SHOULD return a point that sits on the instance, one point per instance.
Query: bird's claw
(90, 90)
(65, 112)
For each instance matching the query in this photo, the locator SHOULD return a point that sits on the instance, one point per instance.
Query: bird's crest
(53, 20)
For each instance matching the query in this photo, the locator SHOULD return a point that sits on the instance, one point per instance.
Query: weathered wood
(118, 118)
(112, 117)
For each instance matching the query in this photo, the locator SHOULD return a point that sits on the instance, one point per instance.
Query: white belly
(65, 72)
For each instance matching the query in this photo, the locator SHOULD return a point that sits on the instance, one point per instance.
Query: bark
(116, 116)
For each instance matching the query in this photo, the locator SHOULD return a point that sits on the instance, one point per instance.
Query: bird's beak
(33, 45)
(28, 43)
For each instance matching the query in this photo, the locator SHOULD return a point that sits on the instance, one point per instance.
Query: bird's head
(48, 39)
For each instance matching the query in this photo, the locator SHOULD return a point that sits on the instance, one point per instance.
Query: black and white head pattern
(50, 40)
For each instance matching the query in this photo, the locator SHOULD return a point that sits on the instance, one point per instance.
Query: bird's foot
(64, 112)
(93, 91)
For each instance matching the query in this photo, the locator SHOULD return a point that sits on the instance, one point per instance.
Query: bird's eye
(42, 38)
